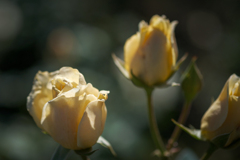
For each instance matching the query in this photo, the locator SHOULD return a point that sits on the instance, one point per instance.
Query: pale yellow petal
(217, 113)
(173, 42)
(62, 115)
(232, 81)
(152, 62)
(92, 124)
(72, 75)
(130, 48)
(41, 93)
(88, 89)
(215, 116)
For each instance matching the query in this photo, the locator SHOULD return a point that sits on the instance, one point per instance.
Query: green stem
(85, 157)
(182, 119)
(212, 148)
(153, 125)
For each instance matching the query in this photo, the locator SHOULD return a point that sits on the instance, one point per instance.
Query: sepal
(120, 64)
(102, 141)
(191, 81)
(221, 140)
(195, 133)
(61, 153)
(85, 152)
(179, 63)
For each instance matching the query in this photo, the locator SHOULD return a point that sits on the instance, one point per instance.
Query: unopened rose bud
(221, 123)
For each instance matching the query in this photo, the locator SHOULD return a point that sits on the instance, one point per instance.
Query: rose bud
(152, 52)
(221, 123)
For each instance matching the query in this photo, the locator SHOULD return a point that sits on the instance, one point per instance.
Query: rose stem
(153, 124)
(85, 157)
(182, 119)
(212, 148)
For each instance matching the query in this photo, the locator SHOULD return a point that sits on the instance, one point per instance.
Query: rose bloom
(223, 116)
(67, 108)
(152, 52)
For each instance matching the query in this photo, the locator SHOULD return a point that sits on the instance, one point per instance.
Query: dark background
(48, 34)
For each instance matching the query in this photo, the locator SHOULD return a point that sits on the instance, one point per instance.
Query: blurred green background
(48, 34)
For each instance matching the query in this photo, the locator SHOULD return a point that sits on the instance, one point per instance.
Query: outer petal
(173, 42)
(232, 123)
(130, 49)
(217, 113)
(88, 89)
(232, 81)
(72, 75)
(62, 115)
(41, 93)
(153, 60)
(92, 124)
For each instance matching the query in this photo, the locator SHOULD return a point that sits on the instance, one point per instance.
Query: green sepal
(179, 63)
(85, 152)
(102, 141)
(141, 84)
(234, 144)
(175, 68)
(120, 64)
(61, 153)
(221, 140)
(191, 81)
(136, 81)
(195, 133)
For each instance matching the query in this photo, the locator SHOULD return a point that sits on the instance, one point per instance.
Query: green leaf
(61, 153)
(120, 64)
(195, 133)
(106, 144)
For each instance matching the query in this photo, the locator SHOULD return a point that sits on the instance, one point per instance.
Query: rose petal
(173, 42)
(153, 57)
(40, 94)
(130, 48)
(217, 113)
(232, 81)
(62, 115)
(92, 124)
(72, 75)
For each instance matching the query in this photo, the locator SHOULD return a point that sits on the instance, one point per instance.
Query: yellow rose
(68, 109)
(223, 116)
(152, 52)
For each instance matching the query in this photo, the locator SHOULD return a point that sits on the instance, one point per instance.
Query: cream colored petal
(161, 23)
(92, 124)
(142, 25)
(130, 49)
(60, 85)
(88, 89)
(173, 42)
(62, 115)
(217, 113)
(215, 116)
(232, 80)
(153, 62)
(72, 75)
(39, 95)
